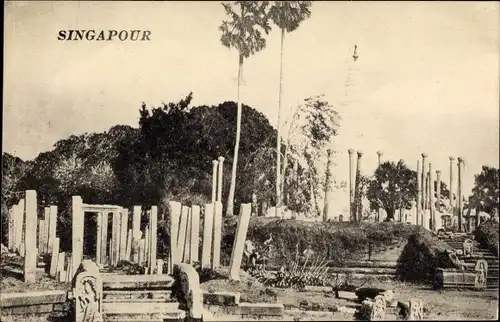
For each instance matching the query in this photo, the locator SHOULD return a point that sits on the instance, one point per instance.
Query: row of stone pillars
(30, 236)
(124, 243)
(425, 196)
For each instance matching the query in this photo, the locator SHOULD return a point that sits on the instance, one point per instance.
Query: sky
(427, 77)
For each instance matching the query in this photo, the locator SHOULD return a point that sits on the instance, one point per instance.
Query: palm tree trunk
(283, 173)
(232, 188)
(278, 140)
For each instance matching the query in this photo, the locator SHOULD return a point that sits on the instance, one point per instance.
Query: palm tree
(287, 15)
(243, 32)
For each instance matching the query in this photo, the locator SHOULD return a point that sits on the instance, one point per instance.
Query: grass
(12, 278)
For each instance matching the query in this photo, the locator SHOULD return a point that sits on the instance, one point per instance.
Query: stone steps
(142, 310)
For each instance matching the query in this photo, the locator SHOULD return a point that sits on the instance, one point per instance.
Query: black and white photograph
(195, 161)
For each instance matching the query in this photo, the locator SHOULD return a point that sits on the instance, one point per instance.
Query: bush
(422, 255)
(337, 242)
(487, 235)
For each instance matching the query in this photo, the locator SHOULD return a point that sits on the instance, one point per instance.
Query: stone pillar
(239, 241)
(195, 234)
(328, 185)
(128, 249)
(219, 179)
(98, 246)
(424, 182)
(452, 159)
(217, 235)
(45, 242)
(30, 258)
(181, 237)
(419, 195)
(20, 224)
(153, 222)
(54, 258)
(208, 220)
(187, 243)
(52, 227)
(431, 199)
(123, 233)
(77, 232)
(104, 238)
(41, 232)
(214, 180)
(159, 266)
(136, 231)
(379, 154)
(357, 193)
(146, 246)
(459, 194)
(10, 232)
(351, 186)
(438, 190)
(116, 235)
(175, 214)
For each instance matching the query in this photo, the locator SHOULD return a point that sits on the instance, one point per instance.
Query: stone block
(221, 298)
(275, 309)
(32, 309)
(32, 298)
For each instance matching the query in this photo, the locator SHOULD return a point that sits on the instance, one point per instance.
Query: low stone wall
(34, 302)
(228, 304)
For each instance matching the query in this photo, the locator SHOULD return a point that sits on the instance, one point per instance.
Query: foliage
(393, 187)
(337, 242)
(422, 255)
(13, 170)
(288, 15)
(487, 235)
(485, 194)
(244, 31)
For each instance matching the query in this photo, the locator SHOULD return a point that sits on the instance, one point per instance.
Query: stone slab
(32, 298)
(221, 298)
(311, 288)
(140, 308)
(261, 309)
(117, 282)
(31, 309)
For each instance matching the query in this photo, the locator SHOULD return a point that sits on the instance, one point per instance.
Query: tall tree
(243, 32)
(485, 194)
(287, 15)
(393, 187)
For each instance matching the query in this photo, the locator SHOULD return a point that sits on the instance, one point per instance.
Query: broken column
(77, 216)
(195, 234)
(217, 235)
(153, 223)
(52, 227)
(438, 190)
(328, 184)
(357, 189)
(452, 159)
(351, 186)
(379, 154)
(104, 238)
(431, 199)
(419, 194)
(175, 213)
(239, 241)
(30, 258)
(214, 180)
(424, 182)
(123, 233)
(207, 235)
(459, 194)
(136, 231)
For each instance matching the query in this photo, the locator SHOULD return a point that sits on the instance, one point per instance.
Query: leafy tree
(317, 122)
(243, 32)
(287, 15)
(485, 194)
(13, 171)
(393, 187)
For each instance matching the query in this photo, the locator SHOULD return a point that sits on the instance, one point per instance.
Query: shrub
(487, 235)
(422, 255)
(336, 242)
